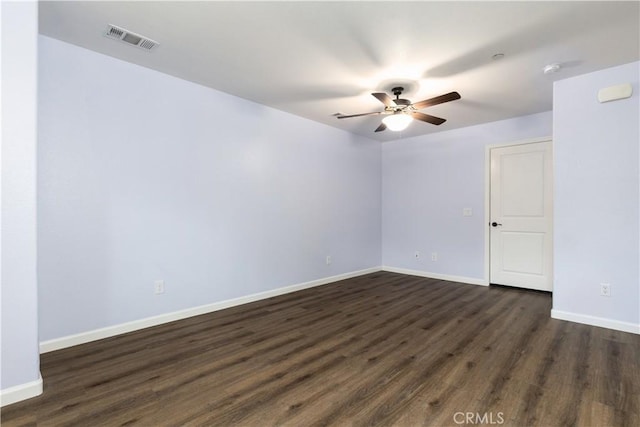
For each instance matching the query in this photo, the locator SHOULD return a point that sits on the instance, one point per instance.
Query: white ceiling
(314, 59)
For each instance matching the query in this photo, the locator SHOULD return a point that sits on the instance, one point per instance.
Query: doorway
(521, 215)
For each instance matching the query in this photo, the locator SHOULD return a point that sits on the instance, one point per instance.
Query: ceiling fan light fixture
(397, 121)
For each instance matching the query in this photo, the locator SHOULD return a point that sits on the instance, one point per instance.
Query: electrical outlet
(417, 254)
(159, 287)
(328, 260)
(467, 212)
(605, 289)
(434, 256)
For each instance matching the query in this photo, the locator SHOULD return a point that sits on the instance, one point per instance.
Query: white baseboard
(110, 331)
(21, 392)
(596, 321)
(420, 273)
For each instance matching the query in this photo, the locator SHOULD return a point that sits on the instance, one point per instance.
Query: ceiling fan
(400, 112)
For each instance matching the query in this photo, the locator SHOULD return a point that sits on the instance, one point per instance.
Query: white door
(521, 216)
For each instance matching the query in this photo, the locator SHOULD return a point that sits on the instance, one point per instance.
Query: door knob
(495, 224)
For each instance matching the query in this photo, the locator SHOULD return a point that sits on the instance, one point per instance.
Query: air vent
(130, 38)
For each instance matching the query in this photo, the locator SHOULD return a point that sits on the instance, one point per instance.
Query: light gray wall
(597, 196)
(19, 348)
(428, 180)
(143, 176)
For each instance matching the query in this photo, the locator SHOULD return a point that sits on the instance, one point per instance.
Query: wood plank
(381, 349)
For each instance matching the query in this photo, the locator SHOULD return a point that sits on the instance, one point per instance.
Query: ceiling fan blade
(427, 118)
(381, 127)
(359, 115)
(451, 96)
(385, 99)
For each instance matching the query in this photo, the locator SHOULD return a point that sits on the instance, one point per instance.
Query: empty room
(320, 213)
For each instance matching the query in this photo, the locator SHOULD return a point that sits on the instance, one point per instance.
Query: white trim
(21, 392)
(487, 194)
(460, 279)
(110, 331)
(596, 321)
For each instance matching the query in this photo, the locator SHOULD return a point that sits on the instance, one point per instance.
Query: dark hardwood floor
(381, 349)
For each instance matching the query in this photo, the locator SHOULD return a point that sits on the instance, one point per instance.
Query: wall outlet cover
(159, 287)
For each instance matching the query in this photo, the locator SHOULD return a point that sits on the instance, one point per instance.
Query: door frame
(487, 194)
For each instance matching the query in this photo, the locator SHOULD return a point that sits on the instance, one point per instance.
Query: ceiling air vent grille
(130, 38)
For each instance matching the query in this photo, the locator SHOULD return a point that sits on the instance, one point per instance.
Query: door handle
(495, 224)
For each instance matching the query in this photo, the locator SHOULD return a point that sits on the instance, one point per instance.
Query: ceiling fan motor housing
(397, 91)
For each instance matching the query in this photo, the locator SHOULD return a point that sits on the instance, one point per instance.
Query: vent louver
(131, 38)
